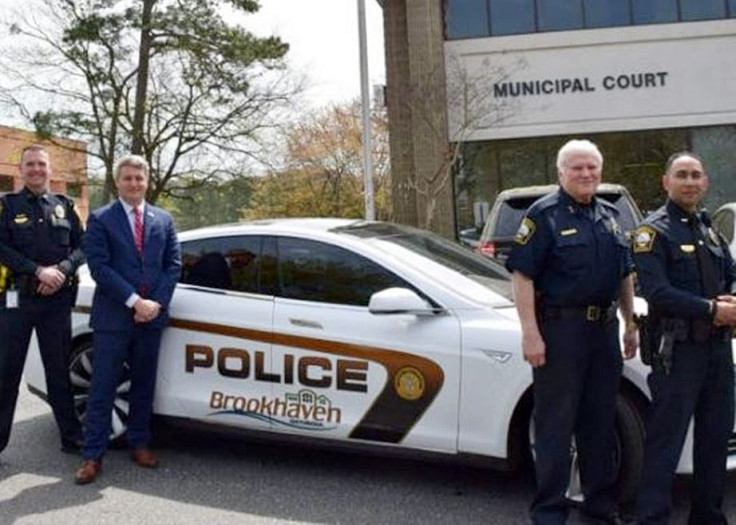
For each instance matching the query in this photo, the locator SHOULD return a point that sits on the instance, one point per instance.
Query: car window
(510, 214)
(723, 221)
(626, 218)
(316, 271)
(224, 263)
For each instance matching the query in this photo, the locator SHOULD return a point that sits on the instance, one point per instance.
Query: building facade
(641, 78)
(68, 163)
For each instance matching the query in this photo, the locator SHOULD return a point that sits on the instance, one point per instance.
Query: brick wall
(68, 165)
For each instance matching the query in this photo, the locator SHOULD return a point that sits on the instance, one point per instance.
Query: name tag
(571, 231)
(11, 299)
(687, 248)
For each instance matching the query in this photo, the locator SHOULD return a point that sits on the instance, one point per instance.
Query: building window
(557, 15)
(481, 18)
(466, 18)
(702, 9)
(6, 183)
(607, 13)
(512, 17)
(654, 11)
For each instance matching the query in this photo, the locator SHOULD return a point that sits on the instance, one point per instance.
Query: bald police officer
(40, 239)
(571, 269)
(687, 276)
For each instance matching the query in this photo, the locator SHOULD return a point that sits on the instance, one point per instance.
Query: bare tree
(211, 90)
(470, 97)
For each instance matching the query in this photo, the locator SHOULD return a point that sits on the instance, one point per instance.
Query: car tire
(629, 454)
(630, 436)
(80, 375)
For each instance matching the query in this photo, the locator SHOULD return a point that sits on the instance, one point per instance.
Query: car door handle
(305, 323)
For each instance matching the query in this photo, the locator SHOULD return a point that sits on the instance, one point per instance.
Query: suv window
(223, 263)
(316, 271)
(510, 215)
(626, 218)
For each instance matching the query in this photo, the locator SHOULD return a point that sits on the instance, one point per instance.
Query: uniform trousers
(575, 393)
(51, 317)
(139, 348)
(700, 385)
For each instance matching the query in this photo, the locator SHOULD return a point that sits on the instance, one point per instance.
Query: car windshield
(442, 251)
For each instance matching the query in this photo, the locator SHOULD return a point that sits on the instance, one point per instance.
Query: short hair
(33, 147)
(134, 161)
(576, 146)
(684, 153)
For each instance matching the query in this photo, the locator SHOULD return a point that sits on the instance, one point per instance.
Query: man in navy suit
(135, 260)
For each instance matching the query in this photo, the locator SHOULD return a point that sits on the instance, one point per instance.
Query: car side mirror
(399, 301)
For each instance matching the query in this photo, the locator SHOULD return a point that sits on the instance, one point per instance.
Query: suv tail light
(487, 248)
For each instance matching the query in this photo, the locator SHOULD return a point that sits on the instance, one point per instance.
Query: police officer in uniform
(571, 269)
(40, 239)
(686, 275)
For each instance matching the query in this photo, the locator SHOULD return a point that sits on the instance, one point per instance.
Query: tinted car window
(320, 272)
(224, 263)
(626, 218)
(510, 215)
(439, 250)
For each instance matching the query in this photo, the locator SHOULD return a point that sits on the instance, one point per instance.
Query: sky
(323, 35)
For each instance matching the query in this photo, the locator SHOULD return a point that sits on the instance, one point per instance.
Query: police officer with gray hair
(687, 276)
(40, 245)
(571, 269)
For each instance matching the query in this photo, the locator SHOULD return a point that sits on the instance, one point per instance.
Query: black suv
(510, 207)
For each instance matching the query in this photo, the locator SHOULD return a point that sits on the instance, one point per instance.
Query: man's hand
(631, 339)
(146, 310)
(725, 314)
(50, 280)
(534, 350)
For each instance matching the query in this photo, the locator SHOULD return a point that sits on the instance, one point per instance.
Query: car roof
(281, 225)
(531, 191)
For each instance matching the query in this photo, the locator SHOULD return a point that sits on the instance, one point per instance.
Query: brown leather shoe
(144, 457)
(87, 472)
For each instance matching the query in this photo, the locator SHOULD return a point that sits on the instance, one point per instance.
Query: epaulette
(608, 205)
(548, 201)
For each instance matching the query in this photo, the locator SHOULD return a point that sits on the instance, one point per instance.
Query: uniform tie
(138, 229)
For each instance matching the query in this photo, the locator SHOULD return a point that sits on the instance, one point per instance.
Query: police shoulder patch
(525, 231)
(644, 239)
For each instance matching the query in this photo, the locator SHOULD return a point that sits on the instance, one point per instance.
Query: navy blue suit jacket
(119, 270)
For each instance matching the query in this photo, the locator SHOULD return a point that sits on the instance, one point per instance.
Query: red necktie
(138, 229)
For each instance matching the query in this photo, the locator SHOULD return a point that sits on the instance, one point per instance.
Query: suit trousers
(51, 317)
(575, 394)
(700, 385)
(112, 349)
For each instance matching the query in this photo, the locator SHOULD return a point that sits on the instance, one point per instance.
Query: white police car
(348, 332)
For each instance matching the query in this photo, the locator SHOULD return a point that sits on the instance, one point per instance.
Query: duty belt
(592, 312)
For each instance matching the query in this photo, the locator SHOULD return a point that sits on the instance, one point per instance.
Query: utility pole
(370, 212)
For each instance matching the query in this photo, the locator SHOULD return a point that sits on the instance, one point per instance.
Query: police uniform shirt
(577, 255)
(40, 230)
(666, 247)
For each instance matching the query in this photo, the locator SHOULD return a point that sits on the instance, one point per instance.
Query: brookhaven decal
(303, 410)
(394, 411)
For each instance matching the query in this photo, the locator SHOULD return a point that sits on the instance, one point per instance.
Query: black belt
(592, 312)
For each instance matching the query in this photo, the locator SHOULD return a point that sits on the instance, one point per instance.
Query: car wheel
(80, 375)
(628, 454)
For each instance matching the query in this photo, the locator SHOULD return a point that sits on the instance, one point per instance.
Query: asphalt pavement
(211, 479)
